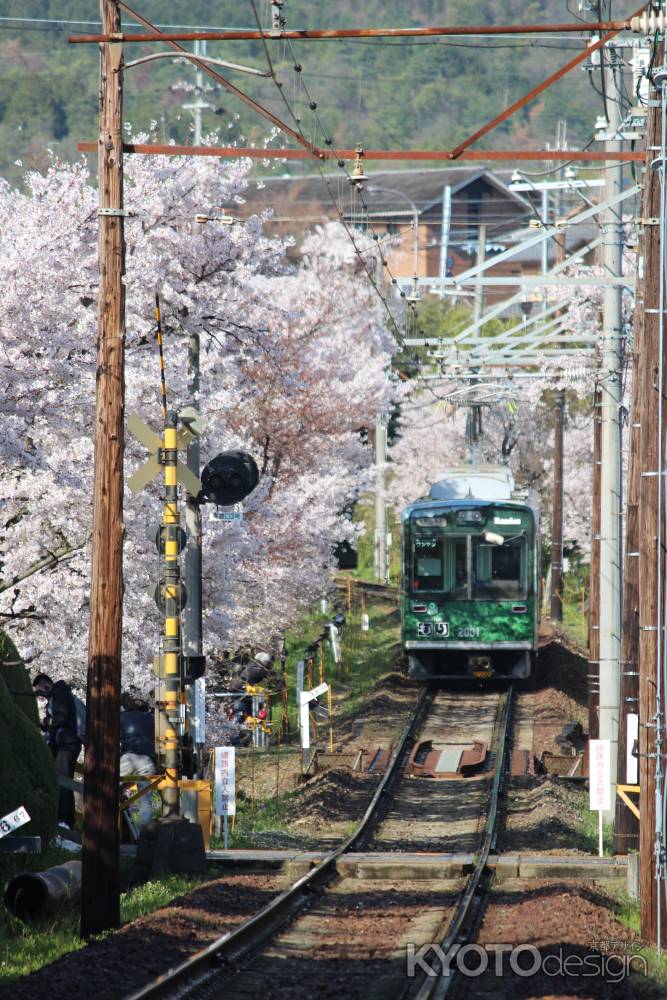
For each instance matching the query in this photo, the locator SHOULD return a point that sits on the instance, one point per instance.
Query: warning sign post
(599, 753)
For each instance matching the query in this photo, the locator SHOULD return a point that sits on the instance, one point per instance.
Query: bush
(17, 679)
(28, 772)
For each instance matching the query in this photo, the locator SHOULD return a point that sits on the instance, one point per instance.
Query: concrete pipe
(33, 895)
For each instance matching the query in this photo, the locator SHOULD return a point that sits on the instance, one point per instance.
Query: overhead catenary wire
(328, 142)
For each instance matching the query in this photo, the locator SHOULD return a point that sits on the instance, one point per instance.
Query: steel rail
(306, 34)
(369, 585)
(467, 909)
(205, 964)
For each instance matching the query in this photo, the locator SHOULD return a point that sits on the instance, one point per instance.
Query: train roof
(479, 482)
(467, 485)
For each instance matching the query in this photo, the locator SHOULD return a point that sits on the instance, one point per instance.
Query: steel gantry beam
(506, 304)
(547, 232)
(519, 328)
(308, 34)
(538, 281)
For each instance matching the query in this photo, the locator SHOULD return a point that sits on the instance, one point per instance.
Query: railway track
(320, 928)
(368, 587)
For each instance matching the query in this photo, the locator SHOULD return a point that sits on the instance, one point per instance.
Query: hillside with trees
(405, 93)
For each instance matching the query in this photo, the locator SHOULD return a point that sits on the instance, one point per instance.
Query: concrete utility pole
(474, 417)
(594, 581)
(100, 888)
(556, 614)
(610, 481)
(626, 825)
(381, 562)
(199, 104)
(478, 307)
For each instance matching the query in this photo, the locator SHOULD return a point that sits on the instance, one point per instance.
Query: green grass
(25, 947)
(365, 660)
(573, 622)
(369, 658)
(587, 826)
(262, 823)
(263, 816)
(626, 911)
(364, 513)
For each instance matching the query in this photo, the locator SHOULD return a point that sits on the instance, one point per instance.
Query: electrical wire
(354, 188)
(329, 143)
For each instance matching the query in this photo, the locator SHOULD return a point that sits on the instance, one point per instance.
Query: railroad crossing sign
(143, 475)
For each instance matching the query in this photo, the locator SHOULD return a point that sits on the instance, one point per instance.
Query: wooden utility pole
(556, 613)
(594, 579)
(100, 900)
(650, 567)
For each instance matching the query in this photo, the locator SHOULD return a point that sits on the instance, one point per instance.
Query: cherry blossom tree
(294, 363)
(517, 430)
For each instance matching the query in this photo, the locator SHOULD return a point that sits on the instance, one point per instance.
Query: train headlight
(469, 516)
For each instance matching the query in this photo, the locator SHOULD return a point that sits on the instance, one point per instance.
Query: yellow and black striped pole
(170, 662)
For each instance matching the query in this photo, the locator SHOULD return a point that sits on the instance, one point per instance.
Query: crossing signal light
(228, 478)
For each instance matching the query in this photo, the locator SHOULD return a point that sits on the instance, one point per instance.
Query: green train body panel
(473, 622)
(470, 585)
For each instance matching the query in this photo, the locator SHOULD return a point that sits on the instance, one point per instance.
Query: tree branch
(53, 558)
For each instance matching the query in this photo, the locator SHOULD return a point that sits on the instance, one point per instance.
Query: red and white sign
(225, 781)
(599, 769)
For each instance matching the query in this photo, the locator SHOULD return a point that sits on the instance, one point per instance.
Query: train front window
(441, 564)
(428, 563)
(499, 571)
(468, 567)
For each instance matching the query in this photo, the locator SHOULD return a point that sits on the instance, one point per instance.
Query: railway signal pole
(100, 888)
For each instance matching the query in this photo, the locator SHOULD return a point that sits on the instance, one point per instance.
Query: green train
(470, 577)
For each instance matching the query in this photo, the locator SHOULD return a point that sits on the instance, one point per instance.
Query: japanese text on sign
(600, 774)
(225, 781)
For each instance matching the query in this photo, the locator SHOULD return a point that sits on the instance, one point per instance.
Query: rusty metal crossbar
(333, 34)
(308, 150)
(237, 152)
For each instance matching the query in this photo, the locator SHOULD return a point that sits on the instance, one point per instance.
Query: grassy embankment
(266, 779)
(27, 947)
(24, 948)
